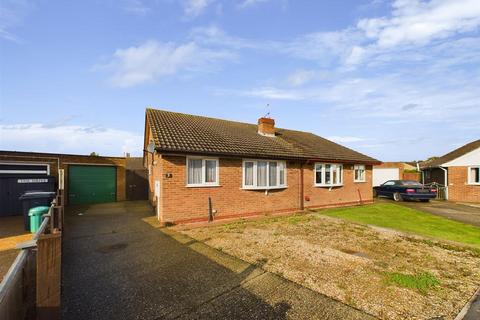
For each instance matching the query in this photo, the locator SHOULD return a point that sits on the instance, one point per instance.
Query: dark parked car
(405, 190)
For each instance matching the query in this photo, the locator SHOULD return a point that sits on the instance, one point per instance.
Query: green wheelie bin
(35, 215)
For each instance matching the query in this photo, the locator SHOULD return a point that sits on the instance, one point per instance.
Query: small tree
(94, 154)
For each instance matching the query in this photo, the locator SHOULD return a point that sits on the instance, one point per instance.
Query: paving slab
(119, 264)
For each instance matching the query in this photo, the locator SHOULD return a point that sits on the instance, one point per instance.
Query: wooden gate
(136, 179)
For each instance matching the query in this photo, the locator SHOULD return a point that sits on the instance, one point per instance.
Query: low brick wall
(415, 176)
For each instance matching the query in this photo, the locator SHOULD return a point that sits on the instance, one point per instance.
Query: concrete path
(118, 264)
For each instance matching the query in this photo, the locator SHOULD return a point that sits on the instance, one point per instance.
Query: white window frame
(267, 187)
(470, 178)
(358, 167)
(203, 184)
(323, 184)
(47, 172)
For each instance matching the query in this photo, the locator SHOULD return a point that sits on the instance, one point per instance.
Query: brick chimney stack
(266, 127)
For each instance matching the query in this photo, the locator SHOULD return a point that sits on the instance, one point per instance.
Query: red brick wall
(181, 203)
(458, 187)
(345, 195)
(412, 176)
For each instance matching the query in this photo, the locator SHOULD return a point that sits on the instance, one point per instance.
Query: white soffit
(469, 159)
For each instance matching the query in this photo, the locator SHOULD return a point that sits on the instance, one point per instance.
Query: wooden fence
(31, 287)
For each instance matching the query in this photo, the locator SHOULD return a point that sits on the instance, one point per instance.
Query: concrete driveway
(460, 212)
(118, 264)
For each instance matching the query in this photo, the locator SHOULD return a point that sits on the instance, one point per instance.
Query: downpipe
(445, 171)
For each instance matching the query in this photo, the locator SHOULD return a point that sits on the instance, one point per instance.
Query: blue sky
(397, 80)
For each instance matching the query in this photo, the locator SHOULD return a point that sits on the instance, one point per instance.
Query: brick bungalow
(246, 169)
(458, 170)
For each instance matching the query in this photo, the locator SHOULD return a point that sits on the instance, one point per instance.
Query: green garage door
(91, 184)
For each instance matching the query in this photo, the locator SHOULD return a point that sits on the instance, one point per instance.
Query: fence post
(29, 285)
(49, 276)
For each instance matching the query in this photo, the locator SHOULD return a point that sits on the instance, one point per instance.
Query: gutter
(267, 157)
(302, 188)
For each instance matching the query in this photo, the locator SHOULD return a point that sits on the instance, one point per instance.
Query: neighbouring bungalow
(458, 170)
(199, 165)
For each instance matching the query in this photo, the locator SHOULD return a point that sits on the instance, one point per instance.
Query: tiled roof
(184, 133)
(452, 155)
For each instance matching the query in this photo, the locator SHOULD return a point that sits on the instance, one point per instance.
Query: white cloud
(70, 139)
(250, 3)
(12, 14)
(214, 36)
(273, 93)
(419, 22)
(194, 8)
(136, 7)
(301, 77)
(345, 139)
(155, 60)
(325, 48)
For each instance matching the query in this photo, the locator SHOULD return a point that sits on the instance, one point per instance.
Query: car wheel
(397, 197)
(425, 200)
(375, 195)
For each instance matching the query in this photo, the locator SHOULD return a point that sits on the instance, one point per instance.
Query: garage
(380, 175)
(95, 179)
(91, 184)
(19, 177)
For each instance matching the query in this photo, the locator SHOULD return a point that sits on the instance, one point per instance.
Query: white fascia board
(471, 158)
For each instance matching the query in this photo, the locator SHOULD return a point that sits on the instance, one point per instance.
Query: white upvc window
(264, 174)
(328, 175)
(202, 172)
(359, 173)
(474, 175)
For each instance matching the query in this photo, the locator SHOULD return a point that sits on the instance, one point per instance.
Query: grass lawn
(405, 219)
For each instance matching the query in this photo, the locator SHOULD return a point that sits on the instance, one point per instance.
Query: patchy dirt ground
(352, 262)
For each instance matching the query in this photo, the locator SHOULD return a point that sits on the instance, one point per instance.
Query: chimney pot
(266, 127)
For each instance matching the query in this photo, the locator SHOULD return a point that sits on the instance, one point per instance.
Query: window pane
(194, 171)
(282, 173)
(249, 173)
(475, 175)
(318, 174)
(328, 177)
(335, 174)
(272, 174)
(210, 171)
(262, 174)
(340, 174)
